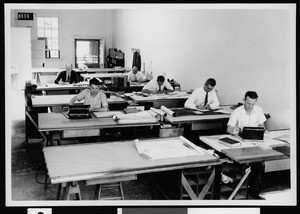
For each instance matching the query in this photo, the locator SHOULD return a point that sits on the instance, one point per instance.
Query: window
(47, 29)
(89, 52)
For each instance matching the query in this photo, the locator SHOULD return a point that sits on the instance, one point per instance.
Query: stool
(109, 191)
(108, 187)
(54, 138)
(68, 189)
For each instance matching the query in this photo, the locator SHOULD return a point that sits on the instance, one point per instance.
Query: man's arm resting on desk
(148, 91)
(237, 130)
(104, 108)
(233, 130)
(73, 100)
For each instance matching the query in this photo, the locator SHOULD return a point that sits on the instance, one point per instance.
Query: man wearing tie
(68, 76)
(204, 97)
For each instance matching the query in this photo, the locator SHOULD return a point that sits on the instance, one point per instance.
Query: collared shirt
(240, 118)
(198, 98)
(98, 101)
(153, 85)
(135, 77)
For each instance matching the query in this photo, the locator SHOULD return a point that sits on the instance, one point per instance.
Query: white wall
(20, 58)
(242, 49)
(75, 23)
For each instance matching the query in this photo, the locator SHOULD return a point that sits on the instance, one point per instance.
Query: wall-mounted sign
(25, 16)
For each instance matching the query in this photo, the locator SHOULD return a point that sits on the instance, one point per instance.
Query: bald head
(135, 69)
(69, 67)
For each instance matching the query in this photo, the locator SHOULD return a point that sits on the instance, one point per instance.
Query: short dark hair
(251, 94)
(211, 81)
(160, 78)
(94, 81)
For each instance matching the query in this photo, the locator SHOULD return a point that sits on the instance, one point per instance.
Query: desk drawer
(277, 165)
(81, 133)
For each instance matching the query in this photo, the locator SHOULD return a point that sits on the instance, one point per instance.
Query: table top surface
(64, 99)
(101, 75)
(56, 70)
(100, 160)
(176, 95)
(200, 117)
(247, 151)
(59, 122)
(53, 86)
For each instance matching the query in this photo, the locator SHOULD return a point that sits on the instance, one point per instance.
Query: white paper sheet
(102, 114)
(167, 149)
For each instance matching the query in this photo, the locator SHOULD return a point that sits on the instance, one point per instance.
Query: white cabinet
(38, 53)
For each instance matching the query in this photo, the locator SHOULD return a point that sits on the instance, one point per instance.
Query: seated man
(92, 96)
(156, 86)
(68, 76)
(204, 97)
(248, 114)
(135, 76)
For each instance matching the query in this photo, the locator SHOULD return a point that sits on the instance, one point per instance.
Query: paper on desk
(134, 116)
(223, 111)
(102, 114)
(137, 121)
(284, 138)
(174, 148)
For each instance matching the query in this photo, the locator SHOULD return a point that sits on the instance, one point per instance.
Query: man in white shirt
(135, 76)
(92, 96)
(157, 86)
(204, 97)
(248, 114)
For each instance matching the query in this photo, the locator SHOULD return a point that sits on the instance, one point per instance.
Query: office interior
(243, 47)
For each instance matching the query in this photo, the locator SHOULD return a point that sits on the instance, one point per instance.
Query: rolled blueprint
(168, 111)
(158, 111)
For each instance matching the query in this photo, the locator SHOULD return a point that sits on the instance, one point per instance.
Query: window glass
(48, 29)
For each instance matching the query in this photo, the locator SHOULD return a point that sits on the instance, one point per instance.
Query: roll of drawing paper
(154, 114)
(158, 111)
(168, 111)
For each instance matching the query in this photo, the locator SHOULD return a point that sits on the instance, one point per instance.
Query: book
(229, 142)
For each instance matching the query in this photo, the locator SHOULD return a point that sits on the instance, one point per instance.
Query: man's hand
(207, 107)
(201, 107)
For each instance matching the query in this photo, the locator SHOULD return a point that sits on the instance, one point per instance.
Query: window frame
(98, 48)
(48, 51)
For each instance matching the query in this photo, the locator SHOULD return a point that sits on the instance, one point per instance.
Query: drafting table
(100, 75)
(101, 70)
(248, 152)
(52, 88)
(132, 88)
(59, 123)
(38, 72)
(202, 121)
(99, 163)
(64, 99)
(172, 99)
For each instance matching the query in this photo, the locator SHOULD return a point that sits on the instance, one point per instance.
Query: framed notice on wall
(25, 16)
